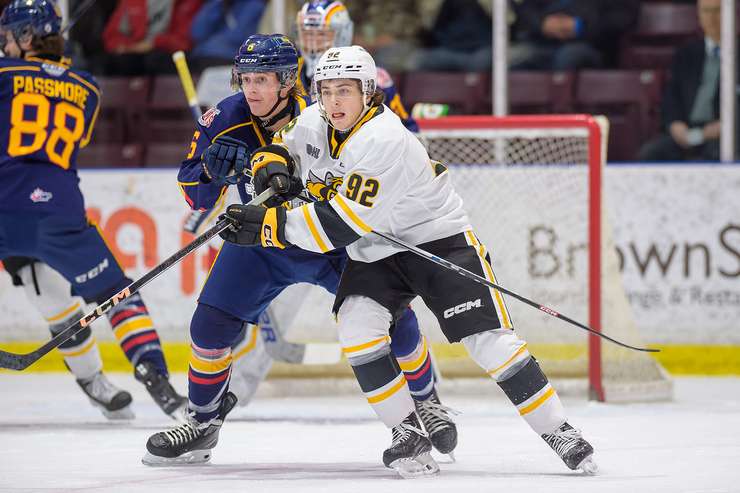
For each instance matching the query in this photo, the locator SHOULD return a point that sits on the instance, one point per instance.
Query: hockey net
(533, 188)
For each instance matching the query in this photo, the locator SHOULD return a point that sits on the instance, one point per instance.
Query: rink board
(676, 229)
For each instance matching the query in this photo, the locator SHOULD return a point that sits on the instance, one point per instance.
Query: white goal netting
(527, 186)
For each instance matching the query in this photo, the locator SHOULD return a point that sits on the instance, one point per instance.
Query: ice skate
(114, 403)
(409, 453)
(576, 452)
(438, 424)
(189, 443)
(173, 404)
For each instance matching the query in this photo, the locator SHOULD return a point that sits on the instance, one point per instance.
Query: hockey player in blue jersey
(243, 281)
(48, 114)
(321, 25)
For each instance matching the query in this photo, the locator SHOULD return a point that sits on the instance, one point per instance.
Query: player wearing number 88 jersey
(48, 112)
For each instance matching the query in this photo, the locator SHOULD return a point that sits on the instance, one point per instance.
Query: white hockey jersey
(380, 178)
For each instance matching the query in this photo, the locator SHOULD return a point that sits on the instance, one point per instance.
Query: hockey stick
(481, 280)
(13, 361)
(77, 16)
(186, 80)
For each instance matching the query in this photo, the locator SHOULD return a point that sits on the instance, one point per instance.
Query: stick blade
(17, 362)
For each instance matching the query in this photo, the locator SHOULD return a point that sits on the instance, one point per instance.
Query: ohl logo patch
(207, 118)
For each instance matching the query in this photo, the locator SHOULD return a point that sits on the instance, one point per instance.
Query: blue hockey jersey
(47, 114)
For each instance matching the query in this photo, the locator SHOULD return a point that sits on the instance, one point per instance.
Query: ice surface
(51, 439)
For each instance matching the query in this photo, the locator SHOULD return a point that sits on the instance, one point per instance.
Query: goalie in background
(49, 111)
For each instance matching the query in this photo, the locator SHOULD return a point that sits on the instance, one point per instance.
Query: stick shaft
(475, 277)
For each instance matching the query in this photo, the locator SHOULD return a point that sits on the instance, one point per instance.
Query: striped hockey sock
(208, 379)
(418, 369)
(134, 329)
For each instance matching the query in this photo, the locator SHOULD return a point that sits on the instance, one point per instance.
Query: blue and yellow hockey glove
(223, 162)
(256, 225)
(273, 166)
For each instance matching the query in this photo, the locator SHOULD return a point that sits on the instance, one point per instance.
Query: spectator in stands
(87, 51)
(388, 29)
(141, 35)
(219, 29)
(690, 104)
(459, 40)
(569, 34)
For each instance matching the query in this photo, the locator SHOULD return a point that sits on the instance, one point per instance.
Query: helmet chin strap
(268, 122)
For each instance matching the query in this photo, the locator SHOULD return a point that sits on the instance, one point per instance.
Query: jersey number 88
(25, 121)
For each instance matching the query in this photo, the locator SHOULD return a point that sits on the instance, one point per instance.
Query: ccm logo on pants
(462, 307)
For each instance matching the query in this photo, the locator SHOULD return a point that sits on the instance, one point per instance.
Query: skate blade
(186, 459)
(125, 413)
(420, 466)
(588, 466)
(120, 414)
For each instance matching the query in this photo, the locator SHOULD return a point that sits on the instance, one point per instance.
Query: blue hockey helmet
(28, 19)
(321, 25)
(267, 53)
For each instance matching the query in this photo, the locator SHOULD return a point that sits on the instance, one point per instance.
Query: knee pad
(13, 265)
(499, 352)
(405, 336)
(212, 328)
(49, 293)
(363, 335)
(363, 329)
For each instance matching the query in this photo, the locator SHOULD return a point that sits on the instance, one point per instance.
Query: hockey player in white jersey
(391, 185)
(321, 25)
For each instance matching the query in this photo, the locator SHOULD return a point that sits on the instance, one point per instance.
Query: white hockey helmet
(322, 24)
(346, 62)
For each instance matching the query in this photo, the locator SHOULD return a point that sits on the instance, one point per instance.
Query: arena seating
(541, 92)
(111, 155)
(122, 107)
(465, 93)
(629, 99)
(146, 122)
(168, 118)
(662, 27)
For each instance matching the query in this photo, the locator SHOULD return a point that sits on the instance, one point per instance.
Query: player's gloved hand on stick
(272, 166)
(223, 162)
(255, 225)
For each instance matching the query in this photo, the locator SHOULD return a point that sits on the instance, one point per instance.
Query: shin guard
(506, 359)
(363, 334)
(50, 294)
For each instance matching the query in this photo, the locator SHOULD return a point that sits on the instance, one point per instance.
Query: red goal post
(552, 151)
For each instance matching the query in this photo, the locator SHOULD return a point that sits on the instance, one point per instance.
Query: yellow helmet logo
(250, 47)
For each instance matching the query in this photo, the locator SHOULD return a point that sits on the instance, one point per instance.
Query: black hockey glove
(223, 162)
(256, 225)
(272, 166)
